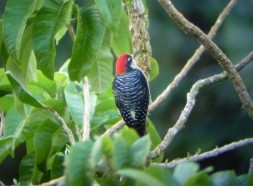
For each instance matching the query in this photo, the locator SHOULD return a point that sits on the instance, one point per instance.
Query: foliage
(33, 96)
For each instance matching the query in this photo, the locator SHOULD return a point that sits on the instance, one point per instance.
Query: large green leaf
(141, 176)
(43, 143)
(122, 39)
(110, 10)
(7, 146)
(6, 102)
(14, 22)
(89, 37)
(161, 173)
(43, 84)
(52, 17)
(199, 178)
(14, 123)
(100, 75)
(185, 171)
(75, 102)
(102, 150)
(224, 178)
(121, 155)
(21, 91)
(26, 169)
(28, 60)
(79, 170)
(139, 151)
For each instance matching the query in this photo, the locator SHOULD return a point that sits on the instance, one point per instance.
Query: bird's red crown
(121, 64)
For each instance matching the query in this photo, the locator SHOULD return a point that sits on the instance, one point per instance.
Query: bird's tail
(142, 130)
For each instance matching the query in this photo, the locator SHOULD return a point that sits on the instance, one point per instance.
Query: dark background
(217, 117)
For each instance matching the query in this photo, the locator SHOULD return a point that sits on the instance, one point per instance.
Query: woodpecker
(131, 92)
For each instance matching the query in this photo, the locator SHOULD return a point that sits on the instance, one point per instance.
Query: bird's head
(125, 63)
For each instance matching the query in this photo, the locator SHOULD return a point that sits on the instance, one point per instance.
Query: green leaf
(161, 173)
(75, 102)
(154, 69)
(129, 135)
(21, 91)
(250, 179)
(28, 60)
(184, 171)
(14, 22)
(26, 169)
(110, 10)
(8, 146)
(140, 176)
(102, 148)
(57, 167)
(200, 178)
(13, 124)
(100, 74)
(224, 178)
(6, 102)
(121, 155)
(43, 84)
(139, 151)
(122, 39)
(79, 170)
(43, 143)
(52, 17)
(89, 37)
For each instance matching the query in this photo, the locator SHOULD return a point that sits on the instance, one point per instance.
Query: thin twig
(78, 133)
(71, 31)
(250, 166)
(65, 127)
(114, 128)
(212, 153)
(193, 59)
(189, 28)
(54, 181)
(86, 116)
(191, 100)
(184, 71)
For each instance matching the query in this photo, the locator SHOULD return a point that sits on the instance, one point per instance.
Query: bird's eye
(129, 59)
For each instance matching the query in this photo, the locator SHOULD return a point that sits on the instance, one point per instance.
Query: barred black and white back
(132, 98)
